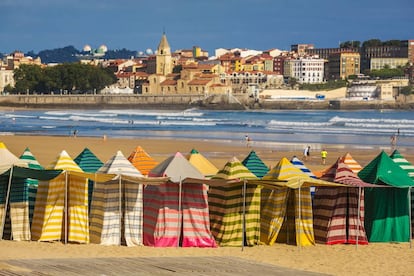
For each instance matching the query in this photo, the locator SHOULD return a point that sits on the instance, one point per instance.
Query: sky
(28, 25)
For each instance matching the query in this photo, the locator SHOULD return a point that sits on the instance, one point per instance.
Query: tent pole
(179, 211)
(3, 221)
(359, 216)
(120, 208)
(409, 212)
(66, 207)
(300, 222)
(244, 214)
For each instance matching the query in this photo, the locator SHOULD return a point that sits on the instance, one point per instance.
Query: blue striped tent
(299, 164)
(255, 164)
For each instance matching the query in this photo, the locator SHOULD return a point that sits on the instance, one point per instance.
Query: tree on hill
(59, 55)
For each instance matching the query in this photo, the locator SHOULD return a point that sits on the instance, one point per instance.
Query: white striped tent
(117, 207)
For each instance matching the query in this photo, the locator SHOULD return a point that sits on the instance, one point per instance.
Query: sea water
(275, 128)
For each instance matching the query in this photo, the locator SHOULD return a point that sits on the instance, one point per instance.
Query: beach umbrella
(255, 164)
(202, 163)
(177, 213)
(387, 210)
(235, 207)
(142, 160)
(116, 207)
(61, 208)
(409, 168)
(90, 163)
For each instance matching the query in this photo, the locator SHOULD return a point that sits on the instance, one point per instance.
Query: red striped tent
(336, 218)
(177, 213)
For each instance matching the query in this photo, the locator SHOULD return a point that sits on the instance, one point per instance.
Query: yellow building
(341, 65)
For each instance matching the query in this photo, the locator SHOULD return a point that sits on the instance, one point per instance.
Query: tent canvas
(386, 210)
(336, 218)
(61, 208)
(202, 163)
(255, 164)
(352, 163)
(141, 160)
(176, 213)
(298, 163)
(7, 160)
(116, 207)
(287, 212)
(409, 168)
(88, 162)
(235, 207)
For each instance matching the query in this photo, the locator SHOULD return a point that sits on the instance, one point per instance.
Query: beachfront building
(305, 70)
(381, 63)
(301, 49)
(173, 76)
(341, 65)
(242, 82)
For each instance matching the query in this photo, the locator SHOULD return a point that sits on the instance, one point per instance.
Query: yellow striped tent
(235, 207)
(65, 192)
(287, 213)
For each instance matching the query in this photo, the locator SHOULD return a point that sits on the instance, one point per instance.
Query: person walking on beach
(306, 153)
(248, 140)
(324, 154)
(393, 140)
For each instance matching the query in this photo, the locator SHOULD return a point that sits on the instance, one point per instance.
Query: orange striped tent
(142, 160)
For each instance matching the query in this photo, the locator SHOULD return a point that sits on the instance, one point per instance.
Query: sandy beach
(373, 259)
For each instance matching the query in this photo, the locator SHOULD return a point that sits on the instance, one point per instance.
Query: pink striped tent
(176, 213)
(336, 218)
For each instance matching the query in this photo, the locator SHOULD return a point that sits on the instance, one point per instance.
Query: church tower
(163, 57)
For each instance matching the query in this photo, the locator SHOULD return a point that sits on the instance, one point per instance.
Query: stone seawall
(182, 102)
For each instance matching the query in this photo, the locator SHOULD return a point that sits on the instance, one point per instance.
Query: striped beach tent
(90, 163)
(202, 163)
(387, 209)
(176, 213)
(351, 163)
(7, 161)
(235, 208)
(142, 160)
(298, 163)
(336, 218)
(255, 164)
(61, 208)
(116, 207)
(409, 168)
(287, 212)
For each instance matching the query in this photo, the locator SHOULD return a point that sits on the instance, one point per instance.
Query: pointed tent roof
(285, 170)
(403, 163)
(28, 157)
(234, 169)
(299, 164)
(8, 159)
(339, 172)
(141, 160)
(383, 170)
(64, 162)
(88, 161)
(201, 163)
(255, 164)
(119, 165)
(351, 163)
(177, 167)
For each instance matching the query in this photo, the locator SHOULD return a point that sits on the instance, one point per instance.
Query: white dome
(87, 48)
(149, 51)
(103, 48)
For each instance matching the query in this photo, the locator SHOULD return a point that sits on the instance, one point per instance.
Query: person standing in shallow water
(324, 154)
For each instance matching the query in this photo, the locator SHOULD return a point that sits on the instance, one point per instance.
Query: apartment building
(308, 70)
(341, 65)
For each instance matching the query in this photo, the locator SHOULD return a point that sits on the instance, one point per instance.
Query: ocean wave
(336, 119)
(153, 113)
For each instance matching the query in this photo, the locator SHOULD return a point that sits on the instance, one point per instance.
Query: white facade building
(308, 70)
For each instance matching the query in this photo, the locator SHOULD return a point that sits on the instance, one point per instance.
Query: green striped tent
(88, 162)
(255, 164)
(31, 183)
(386, 209)
(229, 207)
(409, 168)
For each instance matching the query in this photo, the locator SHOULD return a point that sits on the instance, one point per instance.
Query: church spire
(164, 46)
